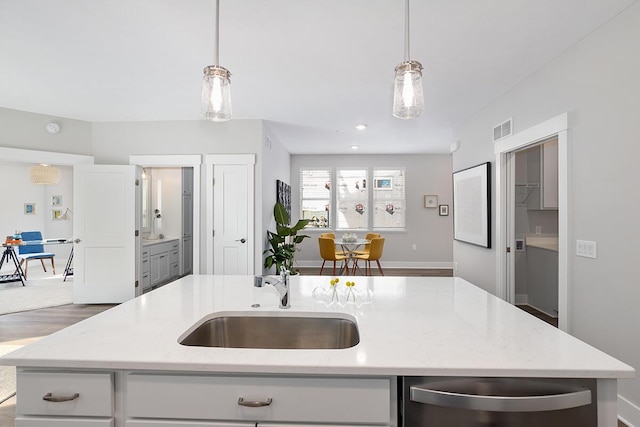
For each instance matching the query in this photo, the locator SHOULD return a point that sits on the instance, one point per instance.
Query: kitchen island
(129, 359)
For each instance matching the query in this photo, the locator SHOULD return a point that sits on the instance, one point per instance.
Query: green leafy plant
(283, 242)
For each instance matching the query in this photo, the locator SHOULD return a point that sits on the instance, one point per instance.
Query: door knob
(243, 240)
(77, 241)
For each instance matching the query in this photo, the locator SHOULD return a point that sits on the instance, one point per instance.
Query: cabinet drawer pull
(51, 398)
(254, 403)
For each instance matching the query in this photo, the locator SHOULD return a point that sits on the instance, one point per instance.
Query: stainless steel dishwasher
(482, 402)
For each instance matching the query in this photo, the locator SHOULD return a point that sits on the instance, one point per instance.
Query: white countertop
(409, 326)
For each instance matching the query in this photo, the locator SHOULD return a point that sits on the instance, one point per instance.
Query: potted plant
(283, 242)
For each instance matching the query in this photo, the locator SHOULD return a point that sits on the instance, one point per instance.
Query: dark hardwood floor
(24, 327)
(406, 272)
(540, 315)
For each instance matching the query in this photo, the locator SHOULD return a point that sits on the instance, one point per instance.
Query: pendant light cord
(217, 44)
(407, 41)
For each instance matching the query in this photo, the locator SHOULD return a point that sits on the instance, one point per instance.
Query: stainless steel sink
(274, 332)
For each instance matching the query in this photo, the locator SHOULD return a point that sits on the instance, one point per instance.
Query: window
(352, 199)
(315, 196)
(388, 199)
(364, 199)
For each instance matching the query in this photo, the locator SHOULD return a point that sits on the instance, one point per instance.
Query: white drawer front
(63, 422)
(341, 400)
(95, 393)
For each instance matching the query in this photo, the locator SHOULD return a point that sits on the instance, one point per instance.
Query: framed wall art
(283, 195)
(29, 208)
(56, 214)
(430, 201)
(444, 210)
(472, 205)
(56, 200)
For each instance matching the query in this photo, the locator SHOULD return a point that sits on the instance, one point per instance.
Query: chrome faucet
(282, 286)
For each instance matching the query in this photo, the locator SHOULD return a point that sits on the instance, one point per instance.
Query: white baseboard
(628, 412)
(389, 264)
(522, 299)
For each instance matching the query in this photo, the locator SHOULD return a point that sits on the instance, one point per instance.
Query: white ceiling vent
(503, 130)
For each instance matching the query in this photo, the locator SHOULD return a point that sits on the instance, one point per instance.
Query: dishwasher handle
(543, 397)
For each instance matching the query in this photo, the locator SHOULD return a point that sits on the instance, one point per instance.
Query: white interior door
(231, 247)
(104, 229)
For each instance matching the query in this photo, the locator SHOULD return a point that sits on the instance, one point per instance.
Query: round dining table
(349, 247)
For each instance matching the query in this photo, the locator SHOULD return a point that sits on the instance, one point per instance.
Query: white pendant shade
(45, 175)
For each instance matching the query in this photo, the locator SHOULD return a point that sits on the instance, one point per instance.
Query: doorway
(505, 150)
(190, 244)
(536, 229)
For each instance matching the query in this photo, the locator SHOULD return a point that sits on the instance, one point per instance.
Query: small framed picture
(56, 200)
(430, 201)
(444, 210)
(29, 208)
(56, 214)
(519, 245)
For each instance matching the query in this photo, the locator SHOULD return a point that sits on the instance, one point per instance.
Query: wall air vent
(503, 130)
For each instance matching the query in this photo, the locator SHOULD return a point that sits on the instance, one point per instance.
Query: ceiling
(312, 69)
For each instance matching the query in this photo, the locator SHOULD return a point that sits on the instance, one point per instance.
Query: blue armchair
(29, 252)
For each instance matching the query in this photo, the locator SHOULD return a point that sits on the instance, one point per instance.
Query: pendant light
(408, 97)
(216, 84)
(44, 174)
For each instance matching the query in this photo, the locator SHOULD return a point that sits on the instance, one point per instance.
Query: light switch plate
(586, 248)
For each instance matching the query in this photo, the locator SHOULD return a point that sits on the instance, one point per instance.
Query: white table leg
(607, 402)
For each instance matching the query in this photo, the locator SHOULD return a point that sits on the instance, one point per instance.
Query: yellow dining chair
(328, 253)
(333, 236)
(375, 253)
(367, 247)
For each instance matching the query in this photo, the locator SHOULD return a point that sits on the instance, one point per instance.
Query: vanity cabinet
(57, 399)
(163, 263)
(145, 269)
(187, 221)
(262, 399)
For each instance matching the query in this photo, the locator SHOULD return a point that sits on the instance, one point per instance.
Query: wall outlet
(414, 247)
(538, 229)
(586, 248)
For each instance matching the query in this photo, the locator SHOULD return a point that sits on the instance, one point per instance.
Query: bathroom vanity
(127, 366)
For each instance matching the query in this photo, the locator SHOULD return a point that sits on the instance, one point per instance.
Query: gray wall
(114, 142)
(276, 162)
(27, 131)
(597, 82)
(432, 234)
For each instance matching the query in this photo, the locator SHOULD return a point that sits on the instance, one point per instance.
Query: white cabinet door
(104, 228)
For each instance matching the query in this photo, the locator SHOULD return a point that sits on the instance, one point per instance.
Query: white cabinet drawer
(95, 393)
(154, 423)
(158, 248)
(296, 399)
(63, 422)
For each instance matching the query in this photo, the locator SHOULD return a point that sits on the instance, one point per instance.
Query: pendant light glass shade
(216, 84)
(44, 175)
(216, 93)
(408, 96)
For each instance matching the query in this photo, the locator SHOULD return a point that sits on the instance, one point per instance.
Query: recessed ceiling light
(361, 127)
(354, 147)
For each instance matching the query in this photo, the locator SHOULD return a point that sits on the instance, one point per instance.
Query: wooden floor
(406, 272)
(24, 327)
(540, 315)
